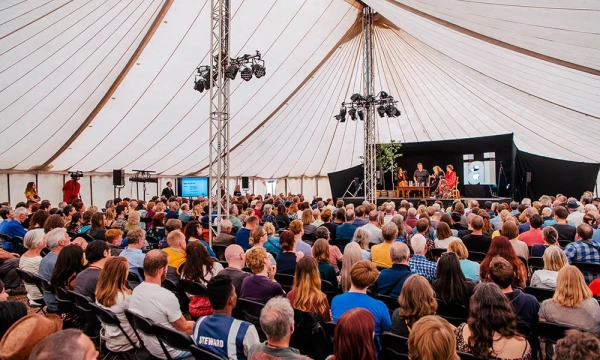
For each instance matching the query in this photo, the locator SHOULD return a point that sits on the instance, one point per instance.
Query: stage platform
(447, 202)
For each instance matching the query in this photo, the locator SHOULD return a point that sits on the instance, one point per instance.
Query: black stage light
(246, 74)
(199, 85)
(397, 112)
(206, 83)
(352, 113)
(381, 110)
(383, 95)
(356, 97)
(259, 70)
(231, 72)
(370, 99)
(339, 118)
(343, 113)
(389, 110)
(361, 114)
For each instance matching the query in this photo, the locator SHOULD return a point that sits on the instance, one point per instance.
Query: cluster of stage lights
(385, 106)
(247, 65)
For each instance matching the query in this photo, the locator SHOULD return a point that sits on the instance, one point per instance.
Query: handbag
(200, 306)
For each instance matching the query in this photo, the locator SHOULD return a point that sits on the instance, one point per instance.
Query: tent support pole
(370, 130)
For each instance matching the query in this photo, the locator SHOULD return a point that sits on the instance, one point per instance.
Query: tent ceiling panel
(569, 31)
(567, 87)
(157, 106)
(53, 78)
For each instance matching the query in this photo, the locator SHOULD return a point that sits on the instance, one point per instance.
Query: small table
(404, 191)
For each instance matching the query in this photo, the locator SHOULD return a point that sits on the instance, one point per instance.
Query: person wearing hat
(575, 216)
(74, 345)
(25, 334)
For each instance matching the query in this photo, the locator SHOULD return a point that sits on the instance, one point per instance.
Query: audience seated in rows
(477, 240)
(96, 254)
(243, 235)
(380, 254)
(258, 237)
(418, 262)
(432, 338)
(584, 249)
(34, 242)
(354, 336)
(501, 247)
(450, 285)
(565, 230)
(287, 259)
(320, 251)
(391, 281)
(236, 260)
(352, 255)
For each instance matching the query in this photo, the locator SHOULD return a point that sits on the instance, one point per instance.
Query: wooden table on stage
(404, 191)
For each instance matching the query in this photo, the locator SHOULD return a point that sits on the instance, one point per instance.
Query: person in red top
(71, 190)
(450, 176)
(257, 209)
(444, 188)
(535, 234)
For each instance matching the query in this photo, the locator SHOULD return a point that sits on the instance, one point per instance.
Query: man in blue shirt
(220, 333)
(363, 274)
(56, 240)
(359, 217)
(585, 249)
(242, 237)
(390, 281)
(418, 263)
(133, 253)
(12, 225)
(347, 229)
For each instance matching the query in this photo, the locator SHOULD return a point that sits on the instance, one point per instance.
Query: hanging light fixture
(246, 74)
(231, 72)
(352, 113)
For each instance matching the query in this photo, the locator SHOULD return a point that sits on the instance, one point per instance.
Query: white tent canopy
(102, 85)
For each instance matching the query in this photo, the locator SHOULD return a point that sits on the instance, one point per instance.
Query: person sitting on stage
(435, 179)
(445, 186)
(421, 175)
(401, 177)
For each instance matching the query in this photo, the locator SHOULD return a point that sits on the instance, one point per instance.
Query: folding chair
(540, 294)
(30, 279)
(142, 325)
(172, 338)
(107, 317)
(476, 256)
(286, 281)
(201, 354)
(393, 347)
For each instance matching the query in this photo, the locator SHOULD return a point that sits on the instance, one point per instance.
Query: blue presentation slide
(194, 187)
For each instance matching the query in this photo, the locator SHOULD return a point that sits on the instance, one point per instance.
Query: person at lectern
(421, 176)
(168, 191)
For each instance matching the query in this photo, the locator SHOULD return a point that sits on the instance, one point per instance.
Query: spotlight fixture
(246, 74)
(231, 72)
(381, 110)
(259, 70)
(356, 97)
(361, 114)
(199, 85)
(352, 113)
(341, 117)
(390, 110)
(383, 95)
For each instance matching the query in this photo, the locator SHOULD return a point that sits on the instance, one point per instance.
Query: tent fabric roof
(102, 85)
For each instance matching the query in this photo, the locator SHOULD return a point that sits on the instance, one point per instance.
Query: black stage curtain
(552, 176)
(445, 152)
(339, 181)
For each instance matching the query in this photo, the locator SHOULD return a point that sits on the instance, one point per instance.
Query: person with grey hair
(316, 213)
(526, 202)
(34, 241)
(277, 322)
(418, 263)
(14, 226)
(56, 240)
(390, 281)
(74, 344)
(373, 227)
(268, 216)
(184, 215)
(225, 238)
(362, 237)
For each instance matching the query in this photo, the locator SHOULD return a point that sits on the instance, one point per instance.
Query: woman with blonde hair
(554, 260)
(109, 216)
(260, 286)
(572, 303)
(352, 255)
(272, 245)
(306, 294)
(133, 221)
(417, 299)
(432, 338)
(293, 211)
(320, 251)
(362, 237)
(113, 293)
(469, 268)
(307, 220)
(160, 207)
(258, 238)
(510, 230)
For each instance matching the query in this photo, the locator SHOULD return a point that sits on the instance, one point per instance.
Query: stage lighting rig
(383, 103)
(247, 65)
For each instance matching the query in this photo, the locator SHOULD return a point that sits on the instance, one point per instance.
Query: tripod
(353, 182)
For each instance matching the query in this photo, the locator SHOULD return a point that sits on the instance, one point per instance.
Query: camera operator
(71, 188)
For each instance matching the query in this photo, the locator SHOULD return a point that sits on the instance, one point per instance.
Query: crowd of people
(317, 260)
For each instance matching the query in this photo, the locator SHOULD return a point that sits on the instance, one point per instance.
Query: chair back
(536, 263)
(45, 284)
(476, 256)
(341, 243)
(281, 224)
(434, 254)
(224, 264)
(170, 285)
(564, 243)
(393, 347)
(524, 261)
(173, 338)
(286, 281)
(552, 332)
(389, 301)
(87, 237)
(585, 267)
(201, 354)
(456, 314)
(192, 287)
(80, 299)
(133, 277)
(140, 323)
(219, 251)
(152, 241)
(29, 278)
(540, 294)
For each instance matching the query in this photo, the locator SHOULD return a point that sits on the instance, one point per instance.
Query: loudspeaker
(528, 177)
(245, 183)
(119, 177)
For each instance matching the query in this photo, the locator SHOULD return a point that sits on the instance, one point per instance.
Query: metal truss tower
(370, 127)
(219, 115)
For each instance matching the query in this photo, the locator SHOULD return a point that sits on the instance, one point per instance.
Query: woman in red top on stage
(447, 183)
